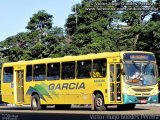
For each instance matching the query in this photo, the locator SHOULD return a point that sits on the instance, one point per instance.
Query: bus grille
(142, 90)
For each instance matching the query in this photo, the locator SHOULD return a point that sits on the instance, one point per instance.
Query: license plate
(143, 101)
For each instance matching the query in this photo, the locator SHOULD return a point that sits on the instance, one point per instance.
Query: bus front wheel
(126, 107)
(99, 103)
(35, 102)
(131, 106)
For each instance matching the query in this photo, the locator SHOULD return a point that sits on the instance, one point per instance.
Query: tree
(90, 34)
(39, 26)
(42, 40)
(14, 47)
(45, 38)
(156, 14)
(129, 35)
(40, 21)
(149, 39)
(54, 42)
(157, 4)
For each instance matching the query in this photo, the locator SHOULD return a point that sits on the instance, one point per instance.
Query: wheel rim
(99, 102)
(34, 103)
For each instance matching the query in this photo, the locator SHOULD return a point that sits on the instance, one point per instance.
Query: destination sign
(139, 56)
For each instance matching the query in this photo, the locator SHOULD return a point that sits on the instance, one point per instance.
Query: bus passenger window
(68, 70)
(84, 69)
(29, 73)
(7, 74)
(39, 72)
(99, 68)
(53, 71)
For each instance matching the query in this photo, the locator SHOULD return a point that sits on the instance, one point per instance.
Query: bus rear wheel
(35, 102)
(43, 107)
(99, 103)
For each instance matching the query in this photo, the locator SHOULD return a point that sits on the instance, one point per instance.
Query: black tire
(131, 106)
(121, 107)
(159, 97)
(99, 103)
(126, 107)
(63, 107)
(35, 102)
(43, 107)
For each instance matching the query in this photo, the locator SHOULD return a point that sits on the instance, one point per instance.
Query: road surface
(80, 113)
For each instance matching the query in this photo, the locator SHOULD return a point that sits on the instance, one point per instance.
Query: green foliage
(41, 41)
(40, 20)
(131, 17)
(149, 39)
(157, 5)
(90, 35)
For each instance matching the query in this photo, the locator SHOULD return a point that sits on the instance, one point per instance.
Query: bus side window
(53, 71)
(99, 68)
(68, 70)
(84, 69)
(29, 73)
(7, 74)
(39, 72)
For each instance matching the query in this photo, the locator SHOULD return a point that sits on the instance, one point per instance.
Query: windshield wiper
(134, 63)
(146, 65)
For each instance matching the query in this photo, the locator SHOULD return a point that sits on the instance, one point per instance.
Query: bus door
(115, 83)
(19, 86)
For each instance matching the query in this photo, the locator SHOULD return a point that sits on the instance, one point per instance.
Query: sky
(15, 14)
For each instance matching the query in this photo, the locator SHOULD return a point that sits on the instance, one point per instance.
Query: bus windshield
(140, 73)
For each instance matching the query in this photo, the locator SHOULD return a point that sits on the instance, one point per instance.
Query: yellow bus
(123, 78)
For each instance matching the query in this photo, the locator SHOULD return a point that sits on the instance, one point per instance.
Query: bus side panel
(7, 93)
(100, 85)
(67, 92)
(27, 97)
(60, 91)
(40, 88)
(82, 93)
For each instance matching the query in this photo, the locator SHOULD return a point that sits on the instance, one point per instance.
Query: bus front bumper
(130, 99)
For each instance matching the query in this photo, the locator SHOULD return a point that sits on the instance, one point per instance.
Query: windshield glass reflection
(138, 73)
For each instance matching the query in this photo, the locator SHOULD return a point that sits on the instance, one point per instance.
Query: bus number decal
(99, 80)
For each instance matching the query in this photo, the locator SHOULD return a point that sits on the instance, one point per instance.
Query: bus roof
(73, 58)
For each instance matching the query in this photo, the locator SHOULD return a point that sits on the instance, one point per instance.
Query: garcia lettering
(66, 86)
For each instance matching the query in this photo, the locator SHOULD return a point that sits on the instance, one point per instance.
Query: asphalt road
(79, 113)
